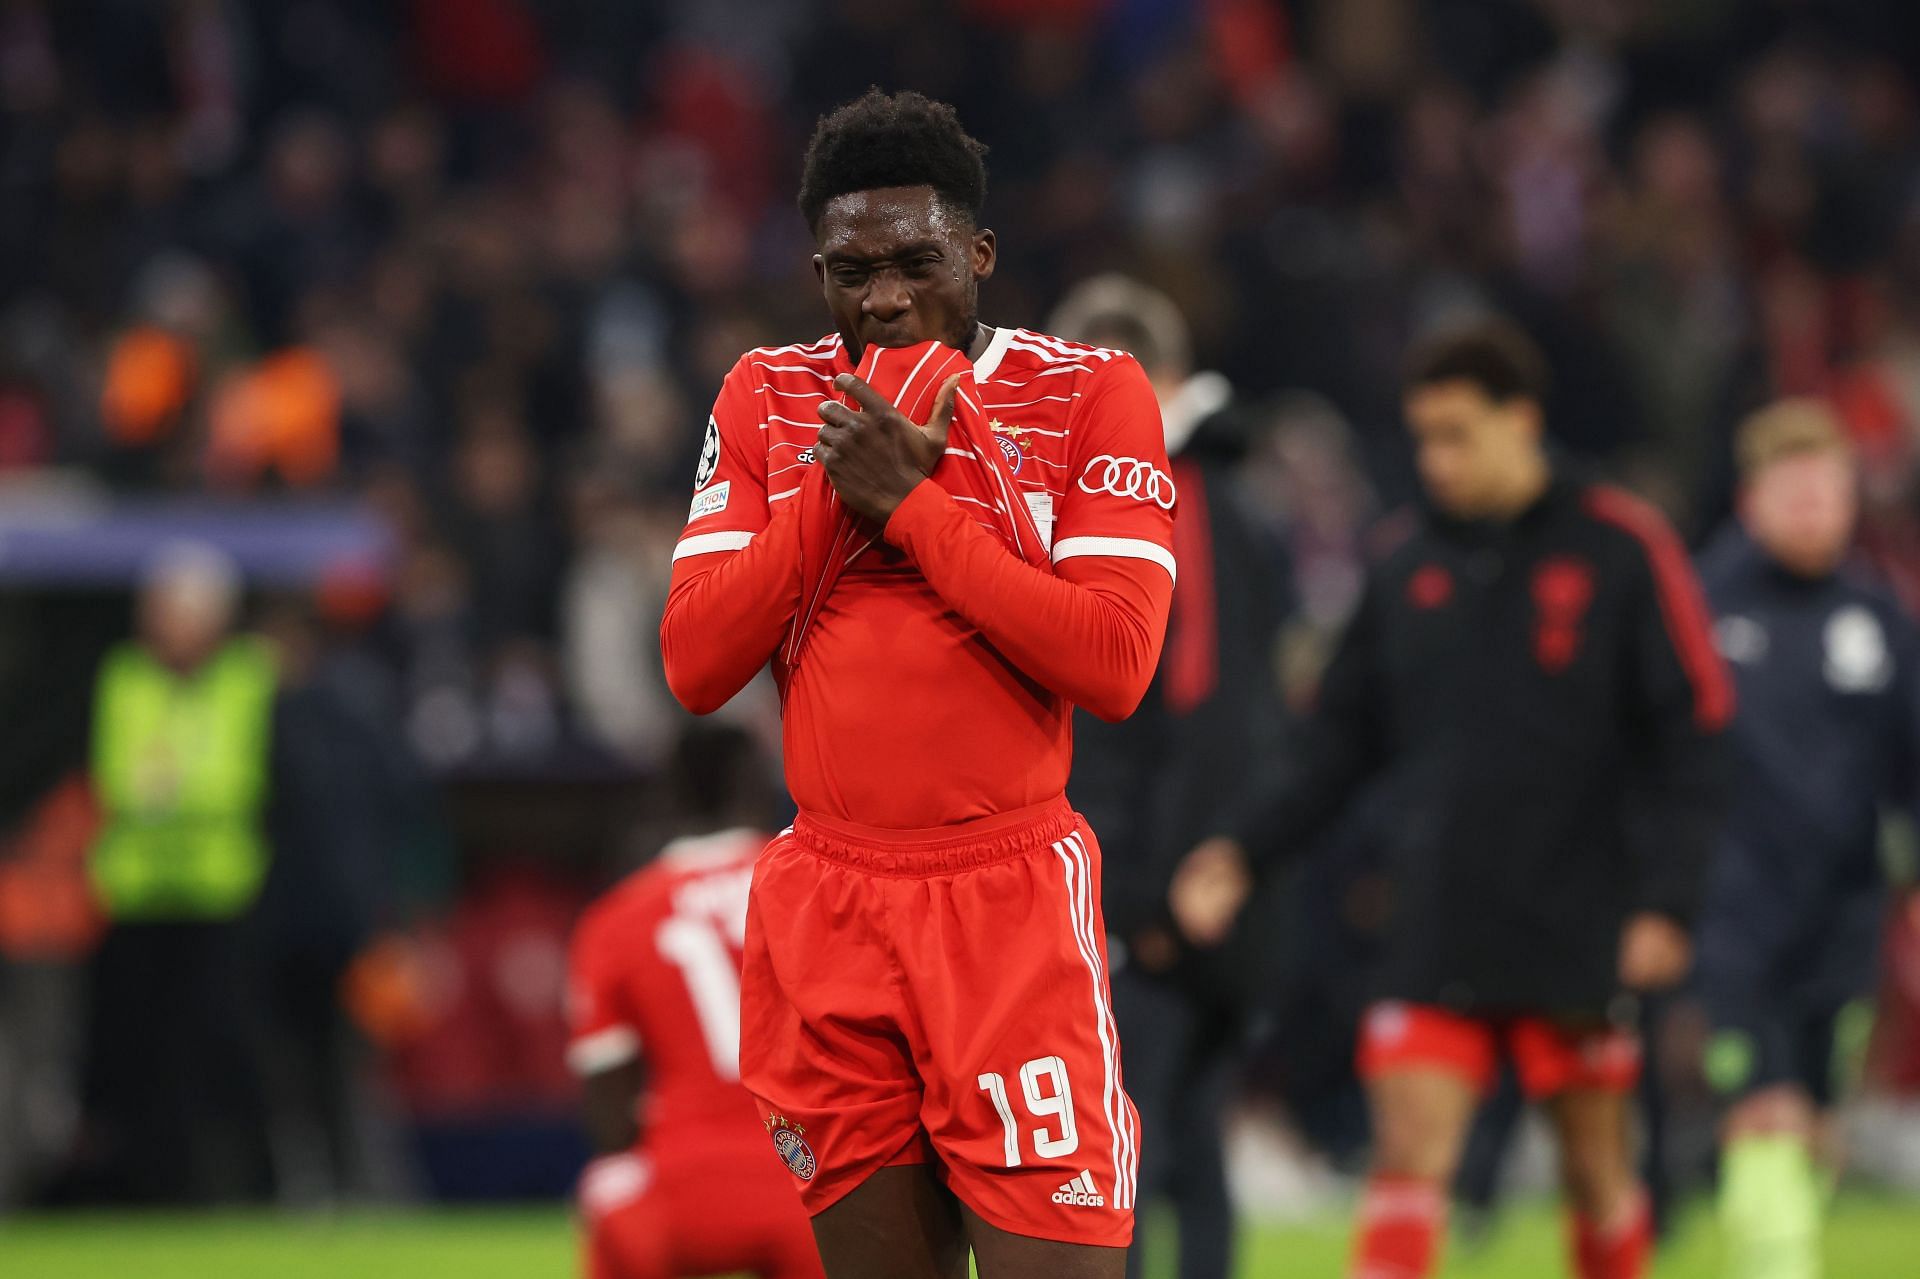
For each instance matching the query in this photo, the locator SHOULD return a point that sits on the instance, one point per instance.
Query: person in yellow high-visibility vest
(182, 739)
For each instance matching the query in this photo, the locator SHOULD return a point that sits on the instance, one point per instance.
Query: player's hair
(901, 139)
(1118, 311)
(1786, 429)
(1493, 354)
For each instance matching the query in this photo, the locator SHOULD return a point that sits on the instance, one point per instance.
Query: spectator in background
(1828, 673)
(355, 834)
(183, 724)
(1155, 779)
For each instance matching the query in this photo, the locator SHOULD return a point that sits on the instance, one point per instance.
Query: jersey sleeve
(730, 481)
(1680, 701)
(1120, 499)
(603, 1028)
(736, 567)
(1091, 631)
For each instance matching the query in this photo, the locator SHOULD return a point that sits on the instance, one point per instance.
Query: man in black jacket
(1828, 671)
(1154, 780)
(1532, 673)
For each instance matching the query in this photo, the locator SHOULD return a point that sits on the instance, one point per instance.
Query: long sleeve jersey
(941, 673)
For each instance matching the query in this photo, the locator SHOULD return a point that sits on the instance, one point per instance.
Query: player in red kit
(681, 1184)
(942, 536)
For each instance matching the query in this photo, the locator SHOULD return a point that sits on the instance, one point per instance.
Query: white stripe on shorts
(1129, 1169)
(1079, 893)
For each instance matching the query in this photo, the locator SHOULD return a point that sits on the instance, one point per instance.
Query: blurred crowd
(480, 265)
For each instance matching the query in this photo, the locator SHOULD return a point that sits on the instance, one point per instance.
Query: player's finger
(940, 421)
(838, 414)
(869, 399)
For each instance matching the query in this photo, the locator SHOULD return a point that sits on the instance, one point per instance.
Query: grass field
(1870, 1238)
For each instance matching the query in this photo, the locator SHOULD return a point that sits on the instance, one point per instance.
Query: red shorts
(1549, 1058)
(713, 1208)
(941, 996)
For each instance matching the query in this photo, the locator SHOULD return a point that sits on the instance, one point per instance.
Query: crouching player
(682, 1184)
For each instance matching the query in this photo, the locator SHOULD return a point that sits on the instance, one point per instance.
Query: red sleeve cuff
(920, 512)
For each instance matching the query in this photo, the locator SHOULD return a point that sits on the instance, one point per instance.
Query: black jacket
(1151, 785)
(1541, 704)
(1828, 673)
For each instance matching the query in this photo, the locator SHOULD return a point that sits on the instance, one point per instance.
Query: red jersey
(655, 969)
(942, 671)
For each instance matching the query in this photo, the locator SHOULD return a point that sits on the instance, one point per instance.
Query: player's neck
(982, 339)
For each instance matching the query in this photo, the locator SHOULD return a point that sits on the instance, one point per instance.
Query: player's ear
(984, 253)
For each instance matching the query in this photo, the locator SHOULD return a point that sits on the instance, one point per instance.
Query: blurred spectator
(261, 824)
(49, 924)
(183, 721)
(309, 246)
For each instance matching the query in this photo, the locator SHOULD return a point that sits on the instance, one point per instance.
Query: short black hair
(902, 139)
(1492, 354)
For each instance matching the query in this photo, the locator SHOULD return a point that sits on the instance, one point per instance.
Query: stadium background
(414, 309)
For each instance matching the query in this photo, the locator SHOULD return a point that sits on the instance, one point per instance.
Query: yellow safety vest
(180, 769)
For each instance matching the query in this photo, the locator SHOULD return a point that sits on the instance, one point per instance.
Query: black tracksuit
(1544, 706)
(1828, 672)
(1152, 783)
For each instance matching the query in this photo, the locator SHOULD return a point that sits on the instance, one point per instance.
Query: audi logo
(1128, 477)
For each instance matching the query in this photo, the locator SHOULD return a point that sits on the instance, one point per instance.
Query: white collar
(989, 361)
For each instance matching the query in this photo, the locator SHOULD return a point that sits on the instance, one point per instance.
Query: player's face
(899, 267)
(1469, 446)
(1802, 509)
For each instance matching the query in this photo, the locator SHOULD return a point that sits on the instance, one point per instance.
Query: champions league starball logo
(793, 1149)
(709, 456)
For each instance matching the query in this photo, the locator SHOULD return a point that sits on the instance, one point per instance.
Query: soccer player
(1826, 667)
(681, 1183)
(941, 557)
(1530, 682)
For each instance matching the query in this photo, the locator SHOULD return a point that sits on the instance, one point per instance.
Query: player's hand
(1655, 952)
(1211, 885)
(876, 455)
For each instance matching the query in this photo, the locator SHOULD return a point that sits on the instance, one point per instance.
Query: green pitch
(1869, 1238)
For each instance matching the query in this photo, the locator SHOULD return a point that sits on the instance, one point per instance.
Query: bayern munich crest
(1011, 450)
(793, 1148)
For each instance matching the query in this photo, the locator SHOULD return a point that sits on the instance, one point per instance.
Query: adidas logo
(1081, 1192)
